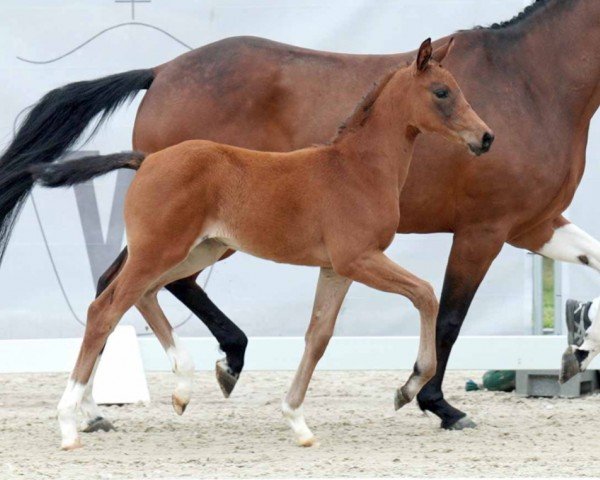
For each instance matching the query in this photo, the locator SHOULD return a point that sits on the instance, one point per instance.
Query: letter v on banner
(101, 250)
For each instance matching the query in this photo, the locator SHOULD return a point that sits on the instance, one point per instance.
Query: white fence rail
(531, 352)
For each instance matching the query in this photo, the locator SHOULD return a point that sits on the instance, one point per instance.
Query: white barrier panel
(283, 353)
(120, 377)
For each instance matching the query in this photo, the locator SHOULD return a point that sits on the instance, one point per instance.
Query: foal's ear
(424, 55)
(440, 53)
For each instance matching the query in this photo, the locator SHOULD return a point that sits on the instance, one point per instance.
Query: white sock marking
(295, 419)
(183, 368)
(67, 413)
(89, 409)
(570, 242)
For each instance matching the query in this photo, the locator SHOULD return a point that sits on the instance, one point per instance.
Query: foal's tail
(53, 125)
(65, 174)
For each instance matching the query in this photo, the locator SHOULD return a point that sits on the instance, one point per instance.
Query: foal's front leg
(376, 270)
(331, 290)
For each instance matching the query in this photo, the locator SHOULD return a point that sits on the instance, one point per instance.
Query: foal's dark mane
(363, 109)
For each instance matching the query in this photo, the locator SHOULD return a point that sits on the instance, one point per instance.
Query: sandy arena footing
(352, 414)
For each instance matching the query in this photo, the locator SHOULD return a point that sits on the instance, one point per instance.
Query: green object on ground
(499, 380)
(471, 386)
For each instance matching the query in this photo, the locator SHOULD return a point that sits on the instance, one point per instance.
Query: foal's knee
(424, 300)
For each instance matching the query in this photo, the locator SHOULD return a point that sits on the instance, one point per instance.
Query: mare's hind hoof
(461, 424)
(570, 365)
(400, 400)
(97, 424)
(225, 377)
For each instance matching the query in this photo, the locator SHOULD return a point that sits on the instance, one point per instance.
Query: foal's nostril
(486, 141)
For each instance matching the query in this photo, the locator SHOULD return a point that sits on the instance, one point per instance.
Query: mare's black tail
(53, 125)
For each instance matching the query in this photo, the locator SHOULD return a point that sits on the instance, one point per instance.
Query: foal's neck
(383, 141)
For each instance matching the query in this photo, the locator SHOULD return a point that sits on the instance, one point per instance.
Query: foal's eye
(442, 93)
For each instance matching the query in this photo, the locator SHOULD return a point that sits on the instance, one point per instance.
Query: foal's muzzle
(484, 146)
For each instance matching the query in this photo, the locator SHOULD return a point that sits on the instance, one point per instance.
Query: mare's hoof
(461, 424)
(72, 445)
(570, 365)
(97, 424)
(400, 400)
(178, 405)
(226, 377)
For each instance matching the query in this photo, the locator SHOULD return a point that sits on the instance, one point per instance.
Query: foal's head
(439, 105)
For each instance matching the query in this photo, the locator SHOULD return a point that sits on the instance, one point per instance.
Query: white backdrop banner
(65, 238)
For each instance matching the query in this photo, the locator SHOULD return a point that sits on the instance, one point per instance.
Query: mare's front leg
(376, 270)
(470, 258)
(331, 290)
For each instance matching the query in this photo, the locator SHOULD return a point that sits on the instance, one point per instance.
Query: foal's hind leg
(232, 340)
(103, 315)
(201, 257)
(378, 271)
(331, 291)
(181, 360)
(93, 418)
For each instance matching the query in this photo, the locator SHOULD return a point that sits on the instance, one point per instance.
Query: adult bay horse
(333, 206)
(534, 78)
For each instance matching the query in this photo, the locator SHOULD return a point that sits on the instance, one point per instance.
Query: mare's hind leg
(565, 241)
(181, 360)
(232, 340)
(331, 291)
(378, 271)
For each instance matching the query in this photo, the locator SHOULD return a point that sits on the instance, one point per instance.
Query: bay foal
(333, 206)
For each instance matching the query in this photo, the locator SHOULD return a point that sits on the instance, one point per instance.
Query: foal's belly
(292, 246)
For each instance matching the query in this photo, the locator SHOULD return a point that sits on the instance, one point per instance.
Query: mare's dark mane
(526, 13)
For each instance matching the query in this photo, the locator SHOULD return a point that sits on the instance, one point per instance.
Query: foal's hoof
(401, 399)
(97, 424)
(71, 445)
(178, 404)
(226, 377)
(309, 441)
(460, 424)
(570, 365)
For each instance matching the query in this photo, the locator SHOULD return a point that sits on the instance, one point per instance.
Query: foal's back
(256, 202)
